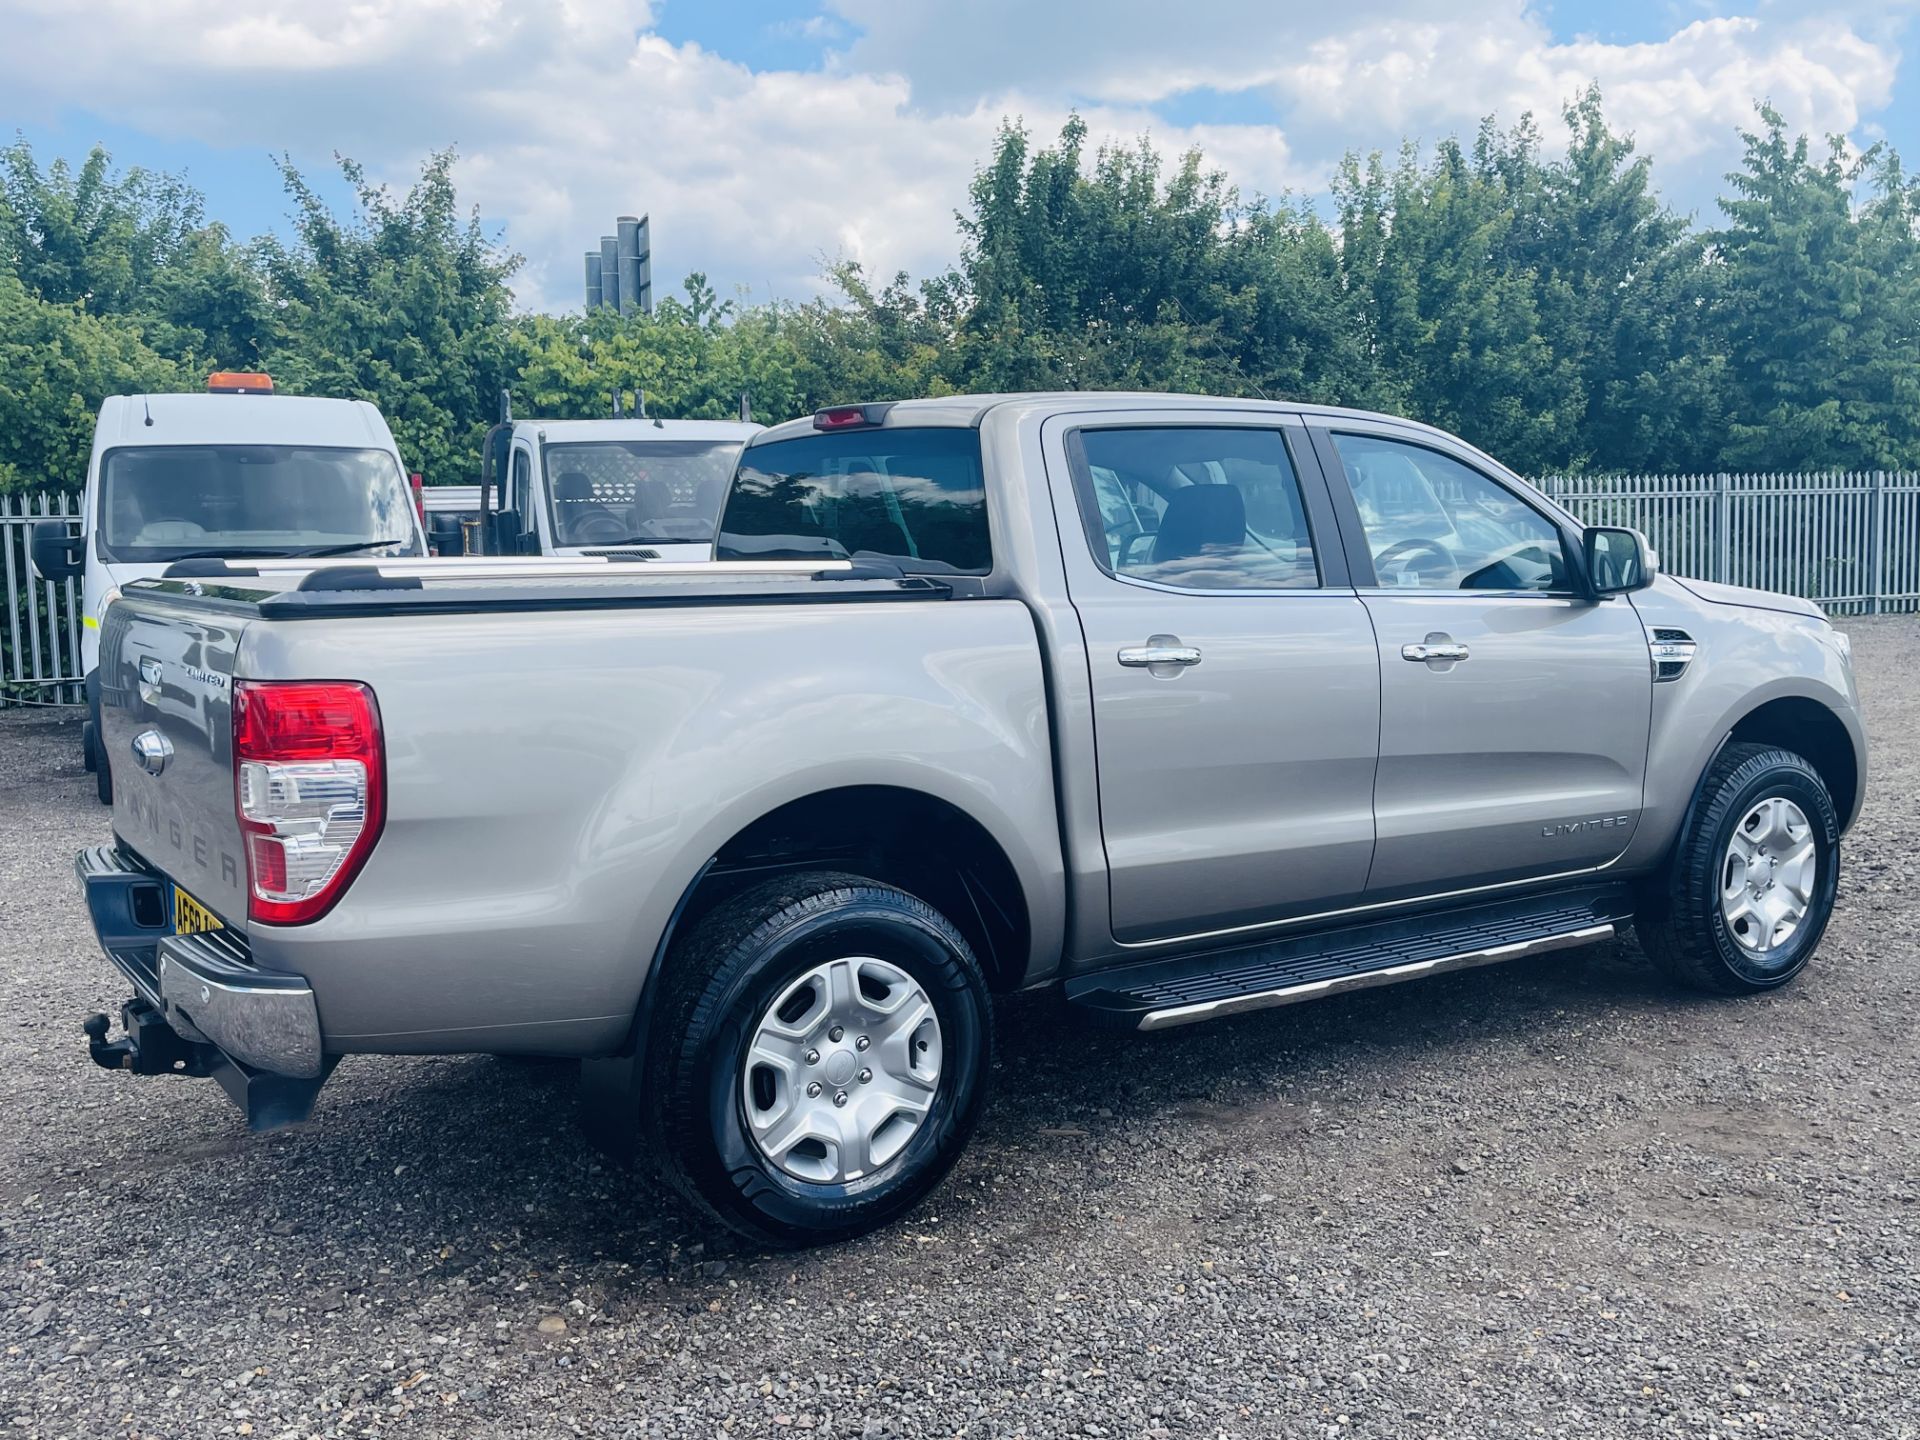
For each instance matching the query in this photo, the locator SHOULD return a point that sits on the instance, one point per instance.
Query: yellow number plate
(190, 917)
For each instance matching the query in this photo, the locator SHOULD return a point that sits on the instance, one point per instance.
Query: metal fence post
(1723, 527)
(1877, 540)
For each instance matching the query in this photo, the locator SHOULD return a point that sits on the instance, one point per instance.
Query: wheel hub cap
(1767, 879)
(841, 1070)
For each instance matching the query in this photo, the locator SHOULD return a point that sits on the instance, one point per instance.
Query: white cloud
(1684, 97)
(568, 112)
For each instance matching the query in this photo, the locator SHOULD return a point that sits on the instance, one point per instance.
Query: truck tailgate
(166, 692)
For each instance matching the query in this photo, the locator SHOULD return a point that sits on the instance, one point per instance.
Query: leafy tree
(1454, 331)
(404, 303)
(133, 244)
(57, 362)
(1817, 306)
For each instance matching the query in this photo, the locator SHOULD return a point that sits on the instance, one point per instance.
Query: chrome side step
(1366, 979)
(1180, 989)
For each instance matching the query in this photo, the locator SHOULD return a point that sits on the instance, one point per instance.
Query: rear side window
(1196, 507)
(914, 497)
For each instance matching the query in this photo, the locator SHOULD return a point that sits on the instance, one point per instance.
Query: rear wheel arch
(919, 842)
(893, 835)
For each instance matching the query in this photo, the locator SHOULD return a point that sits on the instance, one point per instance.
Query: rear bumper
(205, 986)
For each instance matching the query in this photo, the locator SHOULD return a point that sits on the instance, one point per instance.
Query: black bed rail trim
(306, 604)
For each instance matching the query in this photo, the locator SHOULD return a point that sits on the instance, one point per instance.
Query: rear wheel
(818, 1057)
(1753, 877)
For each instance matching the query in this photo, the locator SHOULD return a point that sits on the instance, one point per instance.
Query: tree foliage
(1539, 300)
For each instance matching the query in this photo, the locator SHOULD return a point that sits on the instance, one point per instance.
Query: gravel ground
(1550, 1198)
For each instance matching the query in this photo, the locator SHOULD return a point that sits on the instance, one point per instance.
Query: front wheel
(818, 1057)
(1753, 876)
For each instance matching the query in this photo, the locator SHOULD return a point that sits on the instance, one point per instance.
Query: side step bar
(1165, 993)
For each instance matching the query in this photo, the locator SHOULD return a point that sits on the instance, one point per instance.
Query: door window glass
(1433, 523)
(520, 488)
(1198, 507)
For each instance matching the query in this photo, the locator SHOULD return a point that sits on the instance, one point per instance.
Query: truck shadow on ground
(474, 1156)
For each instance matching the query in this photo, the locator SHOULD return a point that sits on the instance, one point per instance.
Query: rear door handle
(1157, 652)
(1434, 649)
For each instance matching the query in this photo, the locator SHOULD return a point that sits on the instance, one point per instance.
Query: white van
(236, 472)
(636, 489)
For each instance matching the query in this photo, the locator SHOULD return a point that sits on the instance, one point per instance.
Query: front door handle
(1435, 647)
(1160, 651)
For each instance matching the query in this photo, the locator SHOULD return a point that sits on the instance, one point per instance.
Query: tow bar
(150, 1046)
(153, 1047)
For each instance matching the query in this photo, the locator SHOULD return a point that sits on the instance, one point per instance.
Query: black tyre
(817, 1057)
(1750, 888)
(93, 742)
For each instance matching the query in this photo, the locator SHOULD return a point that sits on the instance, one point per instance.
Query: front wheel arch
(1812, 731)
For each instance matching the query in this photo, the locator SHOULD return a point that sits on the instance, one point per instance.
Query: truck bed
(567, 745)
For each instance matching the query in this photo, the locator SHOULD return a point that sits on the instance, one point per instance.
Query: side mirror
(58, 553)
(504, 537)
(1618, 559)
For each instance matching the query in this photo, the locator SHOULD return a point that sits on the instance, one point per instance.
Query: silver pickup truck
(1181, 706)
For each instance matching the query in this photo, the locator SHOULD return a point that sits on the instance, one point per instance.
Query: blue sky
(769, 136)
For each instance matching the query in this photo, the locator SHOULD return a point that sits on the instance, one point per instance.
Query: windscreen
(914, 497)
(621, 492)
(168, 502)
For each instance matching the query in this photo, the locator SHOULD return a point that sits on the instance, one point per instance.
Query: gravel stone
(1551, 1198)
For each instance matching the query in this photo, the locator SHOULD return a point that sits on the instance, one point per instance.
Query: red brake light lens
(309, 775)
(840, 417)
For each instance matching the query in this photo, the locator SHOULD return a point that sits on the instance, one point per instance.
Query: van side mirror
(504, 538)
(1618, 559)
(58, 553)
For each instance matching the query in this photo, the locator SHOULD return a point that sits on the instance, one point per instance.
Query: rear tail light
(309, 782)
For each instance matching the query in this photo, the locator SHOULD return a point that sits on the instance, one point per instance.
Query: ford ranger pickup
(1180, 706)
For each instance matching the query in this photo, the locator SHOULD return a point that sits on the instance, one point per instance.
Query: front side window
(1433, 523)
(1197, 507)
(914, 497)
(624, 492)
(518, 485)
(166, 502)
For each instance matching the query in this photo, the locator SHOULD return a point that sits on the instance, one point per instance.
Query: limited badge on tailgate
(190, 917)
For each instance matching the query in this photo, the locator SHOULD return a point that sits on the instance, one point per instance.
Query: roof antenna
(147, 406)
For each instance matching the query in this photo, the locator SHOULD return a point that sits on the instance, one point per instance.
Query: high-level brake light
(309, 778)
(850, 417)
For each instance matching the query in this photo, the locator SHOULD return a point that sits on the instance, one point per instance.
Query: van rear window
(914, 497)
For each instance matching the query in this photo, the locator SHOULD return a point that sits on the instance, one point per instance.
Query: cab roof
(574, 432)
(971, 410)
(196, 419)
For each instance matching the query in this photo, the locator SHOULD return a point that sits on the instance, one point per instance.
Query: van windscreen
(163, 502)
